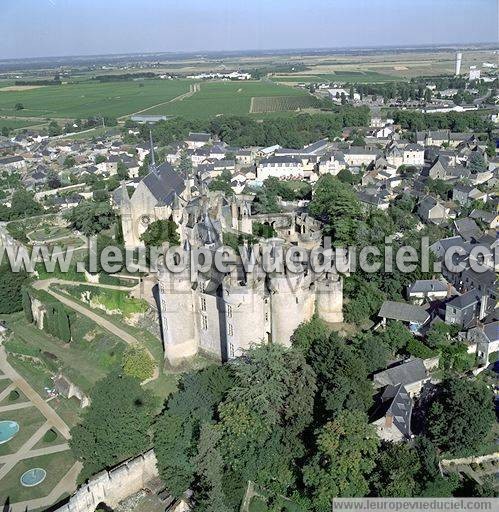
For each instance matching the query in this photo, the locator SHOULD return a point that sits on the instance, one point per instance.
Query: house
(283, 167)
(468, 229)
(377, 200)
(432, 210)
(12, 163)
(413, 154)
(412, 315)
(411, 374)
(433, 138)
(392, 418)
(462, 309)
(465, 194)
(358, 155)
(490, 219)
(332, 163)
(486, 338)
(198, 140)
(428, 289)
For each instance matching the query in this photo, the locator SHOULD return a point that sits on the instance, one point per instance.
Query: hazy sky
(32, 28)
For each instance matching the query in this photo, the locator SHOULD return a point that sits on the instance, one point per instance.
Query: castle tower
(127, 221)
(247, 312)
(291, 304)
(329, 298)
(178, 319)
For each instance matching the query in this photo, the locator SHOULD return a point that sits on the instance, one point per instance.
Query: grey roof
(403, 312)
(405, 374)
(468, 229)
(492, 331)
(398, 404)
(199, 137)
(10, 160)
(465, 300)
(284, 159)
(427, 285)
(414, 147)
(164, 183)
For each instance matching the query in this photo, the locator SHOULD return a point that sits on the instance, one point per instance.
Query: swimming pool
(33, 477)
(8, 429)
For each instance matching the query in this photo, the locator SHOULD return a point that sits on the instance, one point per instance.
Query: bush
(14, 395)
(50, 436)
(137, 363)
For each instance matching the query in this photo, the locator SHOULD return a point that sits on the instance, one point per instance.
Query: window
(231, 350)
(230, 330)
(229, 311)
(266, 316)
(203, 304)
(204, 322)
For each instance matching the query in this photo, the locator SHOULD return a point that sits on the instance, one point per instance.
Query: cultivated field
(87, 99)
(263, 104)
(230, 98)
(339, 76)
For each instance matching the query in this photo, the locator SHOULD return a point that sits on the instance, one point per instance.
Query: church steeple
(152, 164)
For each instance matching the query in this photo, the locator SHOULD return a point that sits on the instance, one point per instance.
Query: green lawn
(29, 420)
(21, 397)
(82, 100)
(89, 357)
(40, 235)
(225, 98)
(56, 466)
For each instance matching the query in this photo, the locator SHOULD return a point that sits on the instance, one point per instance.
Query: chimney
(449, 289)
(388, 420)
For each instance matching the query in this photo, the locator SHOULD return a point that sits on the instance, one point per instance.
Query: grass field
(87, 99)
(225, 98)
(29, 419)
(56, 466)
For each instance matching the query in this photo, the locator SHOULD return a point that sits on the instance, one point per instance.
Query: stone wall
(111, 487)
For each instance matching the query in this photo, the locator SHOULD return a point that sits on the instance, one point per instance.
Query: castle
(224, 313)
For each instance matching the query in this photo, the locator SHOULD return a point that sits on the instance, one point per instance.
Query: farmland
(227, 98)
(339, 76)
(264, 104)
(83, 100)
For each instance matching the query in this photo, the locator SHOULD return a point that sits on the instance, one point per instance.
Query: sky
(41, 28)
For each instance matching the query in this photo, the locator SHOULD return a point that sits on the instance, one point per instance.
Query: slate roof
(427, 285)
(164, 183)
(465, 300)
(398, 404)
(405, 374)
(199, 137)
(403, 312)
(468, 229)
(492, 331)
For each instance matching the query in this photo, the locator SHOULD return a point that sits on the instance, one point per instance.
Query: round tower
(291, 304)
(247, 318)
(329, 297)
(178, 323)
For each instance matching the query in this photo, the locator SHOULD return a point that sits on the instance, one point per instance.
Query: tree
(122, 171)
(222, 183)
(345, 456)
(138, 363)
(69, 161)
(54, 129)
(99, 159)
(161, 231)
(11, 286)
(26, 302)
(177, 429)
(19, 106)
(396, 471)
(185, 164)
(23, 204)
(476, 163)
(461, 416)
(308, 333)
(63, 325)
(341, 377)
(336, 204)
(116, 424)
(91, 217)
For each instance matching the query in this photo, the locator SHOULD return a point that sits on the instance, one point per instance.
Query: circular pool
(33, 477)
(8, 429)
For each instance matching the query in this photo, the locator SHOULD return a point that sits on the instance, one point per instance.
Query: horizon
(59, 28)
